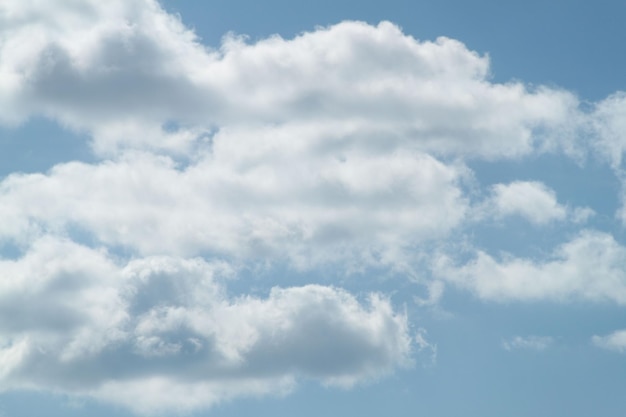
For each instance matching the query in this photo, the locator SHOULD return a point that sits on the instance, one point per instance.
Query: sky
(406, 208)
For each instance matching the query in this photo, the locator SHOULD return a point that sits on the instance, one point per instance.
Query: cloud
(345, 145)
(589, 267)
(316, 148)
(537, 343)
(615, 341)
(608, 126)
(359, 208)
(126, 72)
(424, 345)
(534, 201)
(529, 199)
(79, 323)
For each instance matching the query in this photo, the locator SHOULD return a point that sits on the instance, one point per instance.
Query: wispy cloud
(537, 343)
(615, 341)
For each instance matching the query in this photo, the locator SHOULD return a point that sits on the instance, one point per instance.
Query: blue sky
(340, 208)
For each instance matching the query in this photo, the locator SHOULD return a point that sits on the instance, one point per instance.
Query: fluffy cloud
(533, 201)
(80, 323)
(358, 207)
(529, 199)
(324, 141)
(126, 72)
(345, 144)
(589, 267)
(615, 341)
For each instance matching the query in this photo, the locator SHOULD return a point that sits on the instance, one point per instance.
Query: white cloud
(305, 210)
(83, 325)
(529, 199)
(334, 146)
(589, 267)
(608, 124)
(537, 343)
(123, 70)
(315, 147)
(615, 341)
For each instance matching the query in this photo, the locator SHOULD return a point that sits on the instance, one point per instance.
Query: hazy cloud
(615, 341)
(537, 343)
(530, 200)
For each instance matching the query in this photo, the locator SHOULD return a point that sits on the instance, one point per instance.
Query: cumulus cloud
(615, 341)
(531, 200)
(537, 343)
(78, 322)
(125, 70)
(589, 267)
(344, 145)
(308, 211)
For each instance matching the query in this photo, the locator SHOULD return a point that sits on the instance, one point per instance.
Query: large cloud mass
(347, 145)
(124, 69)
(76, 321)
(308, 211)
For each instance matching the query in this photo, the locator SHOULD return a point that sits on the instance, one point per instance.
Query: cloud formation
(126, 70)
(529, 199)
(615, 341)
(78, 322)
(359, 208)
(589, 267)
(346, 145)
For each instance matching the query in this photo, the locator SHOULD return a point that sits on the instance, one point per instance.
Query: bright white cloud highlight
(615, 341)
(589, 267)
